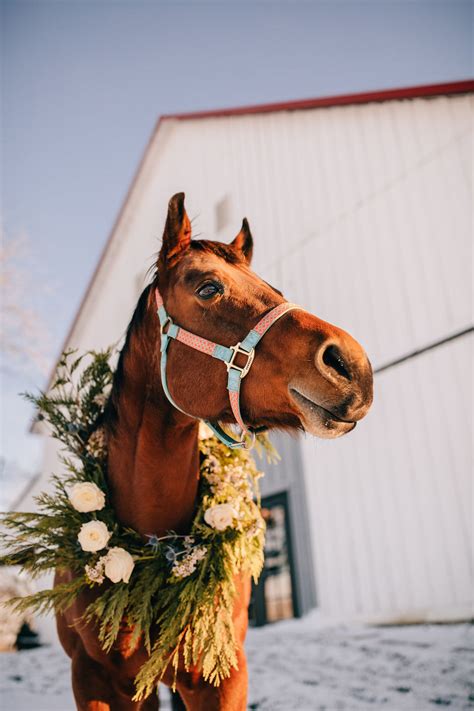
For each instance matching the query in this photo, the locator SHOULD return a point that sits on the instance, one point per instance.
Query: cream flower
(86, 497)
(118, 565)
(205, 431)
(97, 444)
(219, 516)
(187, 565)
(93, 536)
(101, 399)
(95, 573)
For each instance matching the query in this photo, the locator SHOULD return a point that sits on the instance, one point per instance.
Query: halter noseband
(228, 354)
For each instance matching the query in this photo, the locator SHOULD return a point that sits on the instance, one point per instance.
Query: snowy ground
(299, 665)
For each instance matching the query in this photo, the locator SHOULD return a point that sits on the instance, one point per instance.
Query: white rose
(205, 431)
(93, 536)
(219, 516)
(87, 497)
(118, 565)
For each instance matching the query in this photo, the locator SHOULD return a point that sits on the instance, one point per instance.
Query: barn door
(274, 598)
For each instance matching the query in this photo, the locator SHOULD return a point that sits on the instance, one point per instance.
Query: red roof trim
(411, 92)
(427, 90)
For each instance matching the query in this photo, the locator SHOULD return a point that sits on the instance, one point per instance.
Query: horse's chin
(318, 421)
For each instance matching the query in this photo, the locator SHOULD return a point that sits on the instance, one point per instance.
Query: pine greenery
(182, 586)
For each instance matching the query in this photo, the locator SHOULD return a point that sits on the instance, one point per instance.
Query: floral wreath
(182, 584)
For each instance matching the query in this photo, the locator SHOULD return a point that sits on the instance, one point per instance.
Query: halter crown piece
(227, 354)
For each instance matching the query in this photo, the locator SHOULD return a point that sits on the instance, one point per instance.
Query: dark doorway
(274, 598)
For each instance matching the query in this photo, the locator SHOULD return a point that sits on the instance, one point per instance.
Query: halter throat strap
(227, 354)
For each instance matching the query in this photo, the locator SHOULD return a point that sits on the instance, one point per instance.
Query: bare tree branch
(24, 337)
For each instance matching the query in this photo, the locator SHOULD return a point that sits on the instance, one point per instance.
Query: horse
(306, 375)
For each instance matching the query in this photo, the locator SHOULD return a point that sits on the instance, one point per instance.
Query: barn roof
(411, 92)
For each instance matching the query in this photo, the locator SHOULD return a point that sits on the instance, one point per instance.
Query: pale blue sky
(84, 82)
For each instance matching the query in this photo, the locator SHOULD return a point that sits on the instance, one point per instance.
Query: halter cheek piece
(246, 348)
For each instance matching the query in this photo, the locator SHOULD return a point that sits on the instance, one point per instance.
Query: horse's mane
(134, 327)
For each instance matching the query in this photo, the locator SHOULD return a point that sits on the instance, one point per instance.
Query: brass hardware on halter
(249, 354)
(168, 322)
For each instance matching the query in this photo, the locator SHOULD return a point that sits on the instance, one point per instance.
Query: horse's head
(306, 373)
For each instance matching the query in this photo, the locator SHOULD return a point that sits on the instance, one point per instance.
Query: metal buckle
(247, 445)
(249, 354)
(168, 322)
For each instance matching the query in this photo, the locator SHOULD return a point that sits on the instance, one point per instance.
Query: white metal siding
(366, 203)
(362, 214)
(391, 505)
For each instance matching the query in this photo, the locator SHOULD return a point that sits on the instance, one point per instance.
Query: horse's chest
(124, 644)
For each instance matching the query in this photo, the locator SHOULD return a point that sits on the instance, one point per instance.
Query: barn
(360, 210)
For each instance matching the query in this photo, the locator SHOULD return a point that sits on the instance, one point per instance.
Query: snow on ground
(300, 665)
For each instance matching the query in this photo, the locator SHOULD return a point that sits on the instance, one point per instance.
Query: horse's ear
(177, 233)
(244, 241)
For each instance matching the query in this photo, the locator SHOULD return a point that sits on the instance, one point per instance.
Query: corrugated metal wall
(391, 506)
(362, 215)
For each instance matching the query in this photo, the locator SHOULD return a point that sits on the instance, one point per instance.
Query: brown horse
(307, 375)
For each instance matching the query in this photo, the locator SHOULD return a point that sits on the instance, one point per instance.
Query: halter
(228, 354)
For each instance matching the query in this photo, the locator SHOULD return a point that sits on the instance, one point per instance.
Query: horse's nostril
(333, 359)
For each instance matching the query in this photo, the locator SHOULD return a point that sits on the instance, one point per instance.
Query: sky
(83, 83)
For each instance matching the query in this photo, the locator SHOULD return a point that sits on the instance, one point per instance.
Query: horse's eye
(209, 290)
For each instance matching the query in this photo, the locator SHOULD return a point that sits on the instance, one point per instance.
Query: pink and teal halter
(227, 354)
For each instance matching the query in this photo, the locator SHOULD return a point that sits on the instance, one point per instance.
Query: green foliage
(181, 586)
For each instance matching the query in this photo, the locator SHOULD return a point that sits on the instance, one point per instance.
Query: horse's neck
(153, 462)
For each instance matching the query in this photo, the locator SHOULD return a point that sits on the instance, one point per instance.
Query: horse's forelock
(224, 251)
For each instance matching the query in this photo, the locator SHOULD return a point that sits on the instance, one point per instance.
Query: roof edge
(409, 92)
